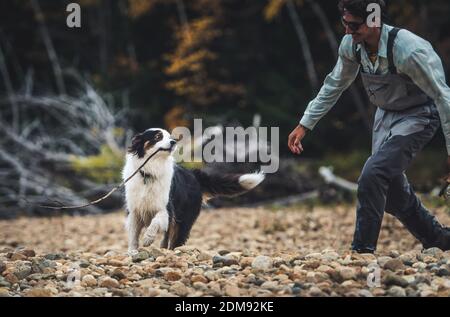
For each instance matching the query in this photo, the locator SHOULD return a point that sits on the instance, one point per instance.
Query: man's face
(356, 26)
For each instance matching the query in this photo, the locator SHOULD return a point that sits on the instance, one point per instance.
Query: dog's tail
(228, 184)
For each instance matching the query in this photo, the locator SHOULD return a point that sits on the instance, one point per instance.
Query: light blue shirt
(413, 56)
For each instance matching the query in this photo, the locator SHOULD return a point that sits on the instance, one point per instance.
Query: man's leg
(389, 162)
(403, 203)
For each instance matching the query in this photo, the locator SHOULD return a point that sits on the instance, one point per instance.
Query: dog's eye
(158, 137)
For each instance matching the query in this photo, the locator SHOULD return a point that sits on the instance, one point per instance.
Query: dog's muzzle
(173, 143)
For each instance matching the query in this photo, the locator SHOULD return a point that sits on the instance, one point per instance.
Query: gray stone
(443, 272)
(383, 259)
(394, 254)
(347, 273)
(365, 293)
(262, 263)
(315, 292)
(392, 279)
(4, 283)
(434, 252)
(204, 256)
(22, 270)
(219, 260)
(54, 256)
(155, 252)
(140, 256)
(41, 264)
(397, 291)
(421, 279)
(330, 256)
(407, 259)
(270, 285)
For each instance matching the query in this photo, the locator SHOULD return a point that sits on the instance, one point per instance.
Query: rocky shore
(231, 252)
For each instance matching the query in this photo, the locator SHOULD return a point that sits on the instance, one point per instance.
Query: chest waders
(405, 121)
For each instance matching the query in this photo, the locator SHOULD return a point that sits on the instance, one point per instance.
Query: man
(404, 78)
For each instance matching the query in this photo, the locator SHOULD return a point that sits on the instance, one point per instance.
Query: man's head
(354, 17)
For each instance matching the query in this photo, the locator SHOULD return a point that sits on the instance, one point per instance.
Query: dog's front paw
(132, 252)
(148, 240)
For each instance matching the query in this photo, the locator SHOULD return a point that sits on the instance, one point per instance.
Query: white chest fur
(147, 199)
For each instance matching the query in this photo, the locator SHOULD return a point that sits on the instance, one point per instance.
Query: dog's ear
(136, 138)
(137, 145)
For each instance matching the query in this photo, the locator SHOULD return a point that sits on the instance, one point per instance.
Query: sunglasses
(354, 26)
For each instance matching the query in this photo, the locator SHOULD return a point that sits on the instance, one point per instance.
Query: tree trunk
(49, 46)
(9, 91)
(299, 29)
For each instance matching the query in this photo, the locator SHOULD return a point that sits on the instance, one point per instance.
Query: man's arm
(425, 68)
(342, 76)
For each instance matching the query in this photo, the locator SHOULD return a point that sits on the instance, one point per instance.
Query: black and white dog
(165, 197)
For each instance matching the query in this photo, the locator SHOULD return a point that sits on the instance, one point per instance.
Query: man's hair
(358, 8)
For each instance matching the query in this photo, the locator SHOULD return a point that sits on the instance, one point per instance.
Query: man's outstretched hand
(295, 139)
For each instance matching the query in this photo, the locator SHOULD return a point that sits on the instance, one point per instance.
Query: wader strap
(390, 50)
(357, 53)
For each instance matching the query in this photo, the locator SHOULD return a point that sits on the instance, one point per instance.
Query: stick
(108, 194)
(330, 178)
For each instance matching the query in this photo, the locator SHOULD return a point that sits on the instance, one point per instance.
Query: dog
(165, 197)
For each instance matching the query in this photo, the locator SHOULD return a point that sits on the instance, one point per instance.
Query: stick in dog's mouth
(176, 139)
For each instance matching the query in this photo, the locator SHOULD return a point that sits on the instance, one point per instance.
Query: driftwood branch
(329, 178)
(36, 160)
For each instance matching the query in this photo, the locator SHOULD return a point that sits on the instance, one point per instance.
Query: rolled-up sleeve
(425, 68)
(342, 76)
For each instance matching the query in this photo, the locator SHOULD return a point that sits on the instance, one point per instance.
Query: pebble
(199, 278)
(394, 265)
(262, 263)
(245, 263)
(219, 260)
(140, 256)
(382, 260)
(232, 291)
(38, 292)
(347, 273)
(397, 291)
(172, 276)
(392, 279)
(89, 280)
(179, 289)
(108, 282)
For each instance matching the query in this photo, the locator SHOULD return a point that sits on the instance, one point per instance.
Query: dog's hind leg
(134, 227)
(159, 223)
(173, 234)
(165, 241)
(180, 235)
